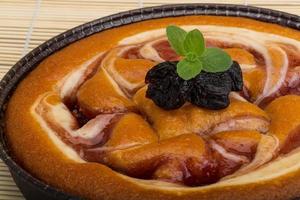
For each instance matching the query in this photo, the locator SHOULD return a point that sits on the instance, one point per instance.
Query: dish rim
(31, 60)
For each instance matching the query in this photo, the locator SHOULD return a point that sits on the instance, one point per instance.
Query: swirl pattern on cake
(99, 112)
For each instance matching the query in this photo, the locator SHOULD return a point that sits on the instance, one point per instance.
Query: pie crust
(128, 133)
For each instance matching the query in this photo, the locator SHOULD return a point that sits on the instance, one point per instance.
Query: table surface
(24, 24)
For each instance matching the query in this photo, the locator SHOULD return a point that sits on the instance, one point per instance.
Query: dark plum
(165, 87)
(211, 90)
(236, 75)
(208, 90)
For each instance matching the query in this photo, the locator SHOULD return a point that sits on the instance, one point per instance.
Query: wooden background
(24, 24)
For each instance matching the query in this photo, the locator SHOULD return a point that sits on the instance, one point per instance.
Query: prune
(165, 87)
(235, 73)
(211, 90)
(208, 90)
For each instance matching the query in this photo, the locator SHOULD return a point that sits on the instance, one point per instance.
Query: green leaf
(215, 60)
(176, 38)
(194, 42)
(187, 69)
(191, 56)
(191, 45)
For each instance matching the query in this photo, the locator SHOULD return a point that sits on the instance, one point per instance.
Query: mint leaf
(176, 38)
(191, 56)
(194, 42)
(188, 69)
(191, 45)
(215, 60)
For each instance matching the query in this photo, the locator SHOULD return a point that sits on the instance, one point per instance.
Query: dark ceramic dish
(33, 188)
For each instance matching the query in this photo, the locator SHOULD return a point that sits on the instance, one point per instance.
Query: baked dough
(87, 128)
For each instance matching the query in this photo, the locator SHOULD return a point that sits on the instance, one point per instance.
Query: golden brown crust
(37, 154)
(191, 119)
(97, 95)
(285, 122)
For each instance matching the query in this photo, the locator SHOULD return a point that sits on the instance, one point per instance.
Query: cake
(81, 120)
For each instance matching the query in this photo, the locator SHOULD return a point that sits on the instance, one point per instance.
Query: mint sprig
(191, 45)
(194, 67)
(176, 38)
(194, 42)
(215, 60)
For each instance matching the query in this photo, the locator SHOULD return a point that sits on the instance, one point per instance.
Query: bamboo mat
(24, 24)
